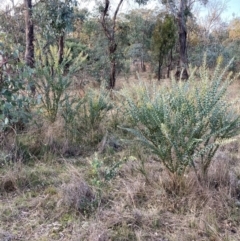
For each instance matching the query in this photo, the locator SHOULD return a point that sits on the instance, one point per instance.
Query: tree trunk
(182, 32)
(112, 75)
(159, 67)
(29, 28)
(112, 50)
(110, 34)
(169, 64)
(160, 62)
(60, 48)
(143, 66)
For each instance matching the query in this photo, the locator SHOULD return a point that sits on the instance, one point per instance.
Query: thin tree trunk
(159, 66)
(182, 45)
(112, 49)
(29, 28)
(159, 70)
(112, 75)
(60, 48)
(169, 64)
(143, 66)
(112, 45)
(182, 32)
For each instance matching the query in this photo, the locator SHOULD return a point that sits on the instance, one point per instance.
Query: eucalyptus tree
(97, 48)
(163, 39)
(208, 33)
(182, 10)
(12, 26)
(109, 28)
(108, 22)
(55, 19)
(141, 24)
(80, 17)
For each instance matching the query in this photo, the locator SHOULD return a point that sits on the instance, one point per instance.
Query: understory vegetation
(149, 161)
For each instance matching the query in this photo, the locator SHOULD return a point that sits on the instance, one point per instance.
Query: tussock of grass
(78, 195)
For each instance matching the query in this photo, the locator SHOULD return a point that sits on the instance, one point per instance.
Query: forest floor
(121, 193)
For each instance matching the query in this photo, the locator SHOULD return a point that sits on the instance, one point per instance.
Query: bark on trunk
(182, 32)
(60, 48)
(110, 34)
(159, 67)
(112, 49)
(143, 66)
(29, 28)
(169, 64)
(112, 75)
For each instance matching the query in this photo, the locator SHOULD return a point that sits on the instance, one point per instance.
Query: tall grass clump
(184, 124)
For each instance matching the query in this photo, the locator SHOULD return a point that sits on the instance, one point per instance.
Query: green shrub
(184, 124)
(15, 102)
(100, 173)
(54, 78)
(83, 117)
(76, 47)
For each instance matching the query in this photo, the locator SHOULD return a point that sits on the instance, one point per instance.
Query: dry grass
(55, 201)
(78, 195)
(56, 198)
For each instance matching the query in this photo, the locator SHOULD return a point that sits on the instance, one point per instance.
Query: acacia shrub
(184, 124)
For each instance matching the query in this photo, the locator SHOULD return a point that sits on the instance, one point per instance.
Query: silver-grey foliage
(184, 124)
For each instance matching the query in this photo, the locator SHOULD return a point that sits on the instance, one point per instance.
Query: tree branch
(103, 19)
(115, 14)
